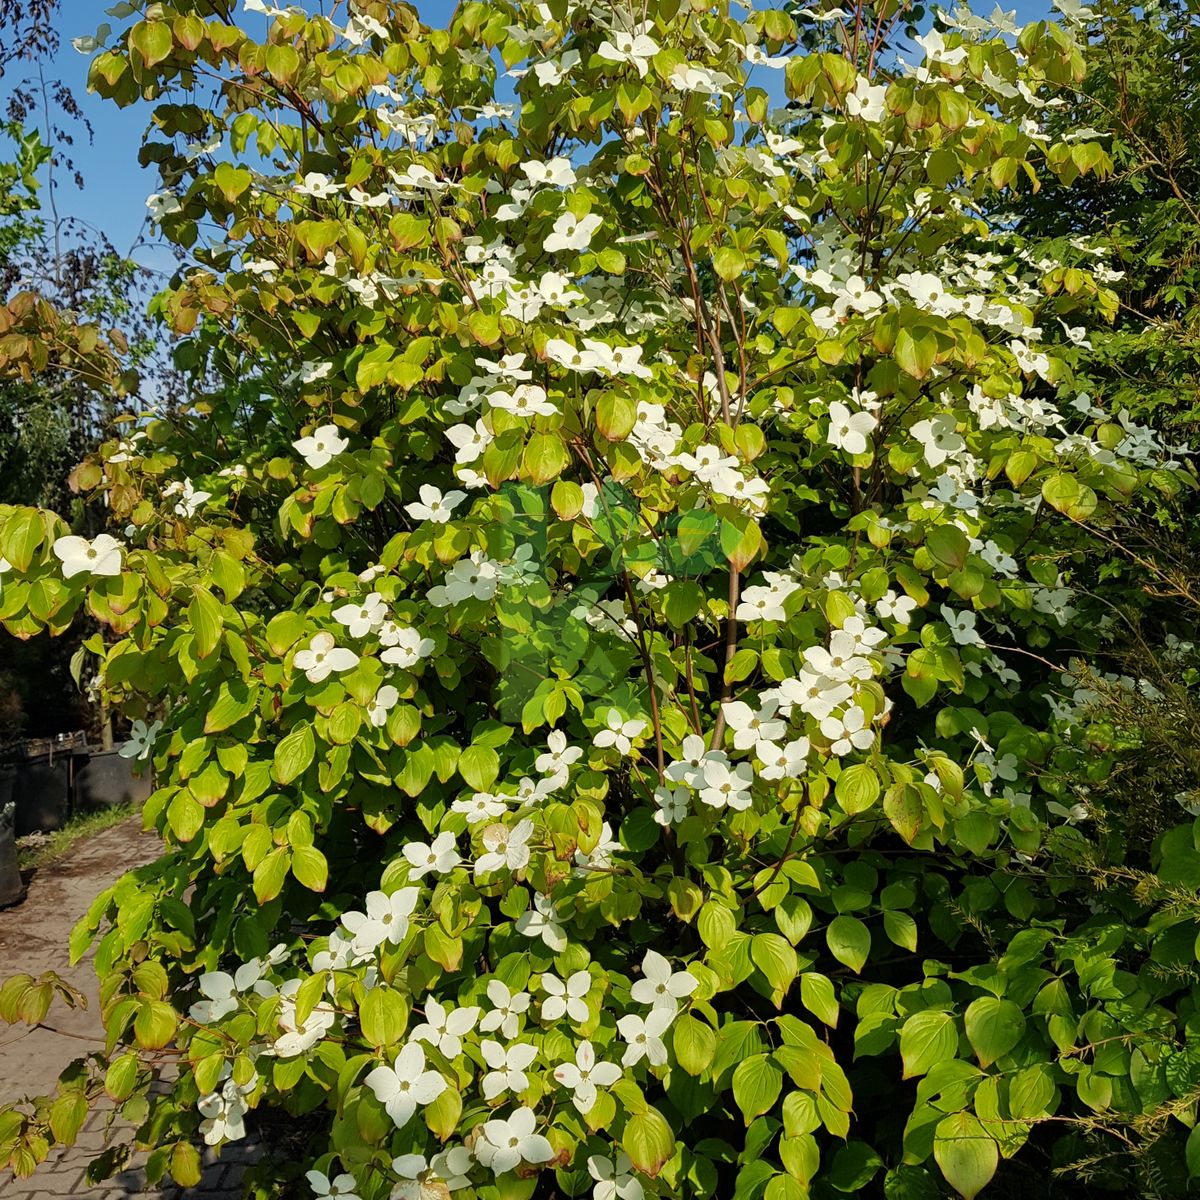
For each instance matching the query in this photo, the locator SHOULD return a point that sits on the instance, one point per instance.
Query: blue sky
(113, 198)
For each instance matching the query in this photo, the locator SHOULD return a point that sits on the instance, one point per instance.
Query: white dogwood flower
(386, 918)
(439, 856)
(445, 1028)
(406, 1084)
(469, 441)
(614, 1180)
(896, 607)
(583, 1076)
(433, 505)
(362, 619)
(660, 986)
(635, 49)
(141, 740)
(506, 848)
(508, 1065)
(848, 732)
(507, 1010)
(381, 704)
(939, 438)
(619, 732)
(673, 805)
(323, 657)
(644, 1037)
(100, 556)
(572, 232)
(404, 647)
(321, 446)
(848, 431)
(725, 786)
(555, 172)
(542, 921)
(783, 762)
(507, 1143)
(566, 998)
(751, 726)
(340, 1187)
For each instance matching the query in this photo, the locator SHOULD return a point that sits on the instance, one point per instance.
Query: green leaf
(784, 1187)
(757, 1082)
(849, 941)
(901, 928)
(857, 788)
(283, 631)
(695, 1043)
(648, 1141)
(818, 996)
(121, 1076)
(915, 354)
(967, 1156)
(310, 868)
(1070, 497)
(23, 533)
(545, 457)
(927, 1038)
(993, 1027)
(152, 40)
(185, 815)
(479, 766)
(270, 874)
(154, 1024)
(294, 754)
(383, 1016)
(1192, 1153)
(204, 616)
(1032, 1092)
(729, 263)
(948, 545)
(235, 700)
(774, 957)
(616, 414)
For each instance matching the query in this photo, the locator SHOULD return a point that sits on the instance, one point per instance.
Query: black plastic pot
(11, 888)
(42, 792)
(105, 780)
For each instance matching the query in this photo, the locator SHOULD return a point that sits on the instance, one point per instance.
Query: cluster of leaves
(610, 609)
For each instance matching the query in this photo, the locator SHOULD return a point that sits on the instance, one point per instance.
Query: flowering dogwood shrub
(597, 616)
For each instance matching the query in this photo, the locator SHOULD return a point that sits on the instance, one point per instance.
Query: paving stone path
(33, 939)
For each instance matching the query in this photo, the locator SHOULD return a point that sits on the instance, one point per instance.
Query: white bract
(439, 856)
(661, 987)
(849, 431)
(585, 1075)
(619, 732)
(508, 1142)
(644, 1036)
(321, 447)
(406, 1084)
(323, 657)
(100, 556)
(386, 918)
(445, 1028)
(340, 1187)
(572, 233)
(542, 921)
(614, 1180)
(506, 849)
(508, 1064)
(566, 999)
(434, 505)
(507, 1009)
(141, 740)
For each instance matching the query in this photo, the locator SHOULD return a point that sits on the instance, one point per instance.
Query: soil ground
(33, 939)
